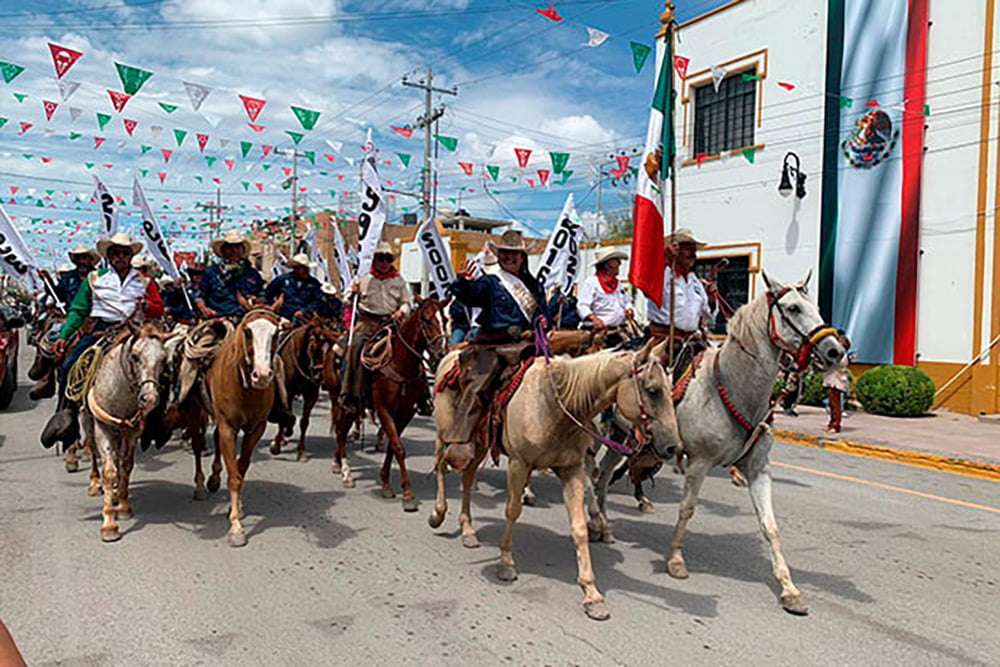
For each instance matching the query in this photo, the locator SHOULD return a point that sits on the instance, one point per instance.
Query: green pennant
(102, 119)
(144, 149)
(265, 167)
(179, 136)
(3, 121)
(927, 110)
(210, 160)
(245, 147)
(88, 165)
(10, 71)
(450, 143)
(333, 194)
(750, 154)
(494, 171)
(746, 77)
(74, 135)
(559, 161)
(296, 136)
(565, 176)
(846, 102)
(144, 172)
(639, 54)
(311, 156)
(404, 158)
(20, 97)
(307, 117)
(132, 77)
(169, 108)
(40, 204)
(199, 178)
(27, 156)
(246, 185)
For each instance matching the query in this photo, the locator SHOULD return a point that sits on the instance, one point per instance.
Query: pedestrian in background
(837, 381)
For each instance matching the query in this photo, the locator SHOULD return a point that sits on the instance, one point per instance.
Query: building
(890, 110)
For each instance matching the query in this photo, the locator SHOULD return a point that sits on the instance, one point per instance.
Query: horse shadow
(21, 402)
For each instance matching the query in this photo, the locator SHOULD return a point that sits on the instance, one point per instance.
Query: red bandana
(391, 273)
(609, 283)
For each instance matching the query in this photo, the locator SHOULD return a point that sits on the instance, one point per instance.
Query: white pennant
(335, 145)
(223, 142)
(75, 113)
(595, 37)
(561, 259)
(67, 88)
(718, 74)
(155, 130)
(156, 243)
(15, 255)
(212, 119)
(197, 93)
(340, 255)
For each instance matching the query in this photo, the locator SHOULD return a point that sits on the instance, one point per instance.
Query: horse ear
(643, 354)
(805, 283)
(660, 352)
(772, 285)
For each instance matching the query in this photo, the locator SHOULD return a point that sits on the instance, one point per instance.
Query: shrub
(895, 391)
(813, 391)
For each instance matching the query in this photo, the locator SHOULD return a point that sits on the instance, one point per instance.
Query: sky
(522, 80)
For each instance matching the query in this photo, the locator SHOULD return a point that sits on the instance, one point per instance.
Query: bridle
(429, 338)
(245, 352)
(802, 352)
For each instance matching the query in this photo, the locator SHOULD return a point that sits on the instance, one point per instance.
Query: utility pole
(214, 208)
(427, 121)
(612, 160)
(293, 183)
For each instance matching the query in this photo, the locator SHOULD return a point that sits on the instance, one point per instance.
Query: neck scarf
(609, 283)
(391, 273)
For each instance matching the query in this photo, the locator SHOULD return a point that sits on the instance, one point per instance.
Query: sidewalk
(944, 441)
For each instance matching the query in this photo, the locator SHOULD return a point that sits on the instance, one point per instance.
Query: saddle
(82, 373)
(198, 352)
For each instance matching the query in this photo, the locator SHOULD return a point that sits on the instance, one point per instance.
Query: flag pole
(668, 33)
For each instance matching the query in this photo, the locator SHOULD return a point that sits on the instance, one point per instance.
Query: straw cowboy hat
(83, 250)
(120, 239)
(232, 237)
(143, 262)
(509, 240)
(328, 288)
(384, 248)
(165, 281)
(300, 259)
(683, 235)
(609, 253)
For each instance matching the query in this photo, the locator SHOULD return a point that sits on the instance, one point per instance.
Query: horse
(723, 413)
(303, 354)
(241, 389)
(397, 384)
(548, 423)
(124, 390)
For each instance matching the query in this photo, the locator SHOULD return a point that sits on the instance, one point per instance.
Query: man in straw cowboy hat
(225, 282)
(510, 301)
(84, 261)
(302, 292)
(603, 300)
(106, 299)
(382, 295)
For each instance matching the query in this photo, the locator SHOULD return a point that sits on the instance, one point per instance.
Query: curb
(949, 464)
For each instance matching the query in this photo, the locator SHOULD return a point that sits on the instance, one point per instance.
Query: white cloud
(268, 21)
(578, 129)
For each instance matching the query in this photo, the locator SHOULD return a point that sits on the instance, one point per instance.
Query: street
(899, 564)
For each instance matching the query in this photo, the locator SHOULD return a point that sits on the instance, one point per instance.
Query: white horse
(742, 373)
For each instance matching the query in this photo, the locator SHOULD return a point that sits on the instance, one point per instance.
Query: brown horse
(396, 387)
(303, 355)
(241, 386)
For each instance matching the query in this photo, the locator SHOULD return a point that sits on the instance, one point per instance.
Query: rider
(511, 300)
(302, 292)
(106, 299)
(382, 296)
(331, 307)
(84, 260)
(173, 300)
(604, 301)
(224, 282)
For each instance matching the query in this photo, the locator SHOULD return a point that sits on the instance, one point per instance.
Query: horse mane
(581, 380)
(745, 324)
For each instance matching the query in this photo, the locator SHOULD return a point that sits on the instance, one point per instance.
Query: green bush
(813, 391)
(895, 391)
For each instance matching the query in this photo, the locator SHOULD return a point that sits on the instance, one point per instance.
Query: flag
(196, 93)
(340, 256)
(647, 266)
(15, 255)
(561, 259)
(372, 216)
(67, 88)
(63, 58)
(109, 212)
(156, 242)
(718, 74)
(872, 162)
(595, 37)
(436, 257)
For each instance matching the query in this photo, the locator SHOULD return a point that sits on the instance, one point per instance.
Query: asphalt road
(900, 564)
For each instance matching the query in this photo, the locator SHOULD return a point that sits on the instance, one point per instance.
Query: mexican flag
(647, 264)
(872, 160)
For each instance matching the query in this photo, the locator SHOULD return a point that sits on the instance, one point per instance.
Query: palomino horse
(548, 423)
(241, 388)
(303, 353)
(125, 388)
(722, 416)
(396, 387)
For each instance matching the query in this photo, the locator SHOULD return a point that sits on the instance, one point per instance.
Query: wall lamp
(789, 171)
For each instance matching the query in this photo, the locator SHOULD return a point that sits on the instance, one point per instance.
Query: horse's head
(432, 336)
(259, 330)
(795, 325)
(645, 399)
(145, 355)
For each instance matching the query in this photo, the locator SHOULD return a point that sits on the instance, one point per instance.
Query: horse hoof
(213, 484)
(125, 513)
(677, 569)
(529, 500)
(646, 507)
(275, 447)
(410, 505)
(607, 537)
(110, 535)
(302, 457)
(388, 493)
(435, 519)
(94, 490)
(349, 483)
(200, 494)
(597, 611)
(72, 465)
(506, 573)
(335, 468)
(593, 533)
(795, 603)
(470, 541)
(237, 539)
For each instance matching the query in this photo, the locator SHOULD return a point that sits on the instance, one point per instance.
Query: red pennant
(531, 182)
(303, 189)
(267, 150)
(118, 100)
(46, 160)
(98, 141)
(260, 187)
(466, 167)
(163, 176)
(256, 128)
(287, 170)
(63, 58)
(130, 125)
(202, 141)
(543, 176)
(405, 132)
(253, 107)
(786, 85)
(340, 177)
(13, 189)
(166, 154)
(108, 166)
(12, 201)
(330, 157)
(25, 126)
(229, 163)
(523, 154)
(50, 108)
(681, 66)
(872, 104)
(550, 13)
(218, 181)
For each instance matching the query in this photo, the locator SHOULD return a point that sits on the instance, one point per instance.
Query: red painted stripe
(645, 271)
(913, 159)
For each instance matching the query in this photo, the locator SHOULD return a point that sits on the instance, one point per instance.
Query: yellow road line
(887, 487)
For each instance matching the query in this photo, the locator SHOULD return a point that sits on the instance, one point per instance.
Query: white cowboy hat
(683, 235)
(300, 259)
(83, 250)
(232, 237)
(119, 239)
(143, 262)
(328, 288)
(608, 253)
(164, 281)
(63, 268)
(384, 248)
(509, 240)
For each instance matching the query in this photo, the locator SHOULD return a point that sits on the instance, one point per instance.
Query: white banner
(15, 256)
(436, 257)
(340, 256)
(372, 216)
(561, 259)
(109, 212)
(156, 244)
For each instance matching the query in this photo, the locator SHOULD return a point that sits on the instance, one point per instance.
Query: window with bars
(724, 120)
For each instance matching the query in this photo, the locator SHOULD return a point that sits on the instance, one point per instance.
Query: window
(733, 282)
(725, 120)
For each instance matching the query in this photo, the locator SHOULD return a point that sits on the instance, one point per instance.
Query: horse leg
(109, 526)
(342, 424)
(469, 538)
(692, 485)
(385, 475)
(309, 398)
(214, 480)
(574, 485)
(597, 526)
(604, 472)
(643, 504)
(123, 507)
(234, 480)
(437, 515)
(197, 437)
(517, 477)
(94, 485)
(278, 442)
(70, 460)
(398, 449)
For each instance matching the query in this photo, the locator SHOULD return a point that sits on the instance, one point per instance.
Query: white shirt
(610, 308)
(690, 303)
(114, 299)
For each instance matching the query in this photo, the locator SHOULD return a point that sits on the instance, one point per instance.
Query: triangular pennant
(846, 102)
(494, 171)
(196, 93)
(155, 130)
(67, 88)
(202, 141)
(144, 149)
(50, 108)
(162, 175)
(75, 113)
(786, 85)
(259, 186)
(404, 158)
(10, 71)
(132, 78)
(267, 149)
(550, 13)
(73, 136)
(405, 132)
(246, 185)
(256, 128)
(169, 108)
(88, 165)
(102, 120)
(595, 37)
(311, 156)
(287, 171)
(747, 77)
(718, 74)
(307, 117)
(467, 167)
(639, 54)
(210, 160)
(245, 147)
(296, 136)
(63, 58)
(229, 163)
(265, 167)
(20, 97)
(750, 154)
(330, 157)
(98, 141)
(253, 107)
(179, 136)
(118, 100)
(450, 143)
(681, 66)
(130, 125)
(565, 176)
(25, 127)
(559, 161)
(523, 155)
(166, 154)
(543, 176)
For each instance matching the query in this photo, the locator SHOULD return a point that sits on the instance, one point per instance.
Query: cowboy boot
(62, 427)
(45, 387)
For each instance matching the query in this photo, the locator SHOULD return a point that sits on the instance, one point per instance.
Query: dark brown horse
(397, 385)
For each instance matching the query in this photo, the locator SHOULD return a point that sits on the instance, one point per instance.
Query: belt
(663, 331)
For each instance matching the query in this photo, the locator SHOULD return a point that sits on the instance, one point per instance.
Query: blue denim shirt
(304, 295)
(68, 285)
(499, 312)
(219, 287)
